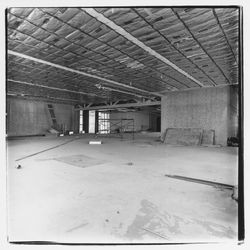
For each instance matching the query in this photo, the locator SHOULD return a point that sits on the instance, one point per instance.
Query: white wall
(203, 108)
(28, 117)
(141, 118)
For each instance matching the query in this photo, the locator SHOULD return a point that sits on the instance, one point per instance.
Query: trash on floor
(95, 142)
(18, 166)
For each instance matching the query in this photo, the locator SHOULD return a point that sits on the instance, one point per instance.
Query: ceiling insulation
(133, 53)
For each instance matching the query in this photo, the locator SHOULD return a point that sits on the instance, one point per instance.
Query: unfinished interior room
(122, 124)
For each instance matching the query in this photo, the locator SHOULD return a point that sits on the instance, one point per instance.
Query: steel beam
(125, 105)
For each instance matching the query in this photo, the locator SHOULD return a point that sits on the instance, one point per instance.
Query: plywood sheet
(183, 136)
(208, 137)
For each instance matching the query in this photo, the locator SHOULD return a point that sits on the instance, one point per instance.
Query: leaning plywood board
(208, 137)
(183, 136)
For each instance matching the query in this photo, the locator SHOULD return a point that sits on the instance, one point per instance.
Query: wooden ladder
(53, 116)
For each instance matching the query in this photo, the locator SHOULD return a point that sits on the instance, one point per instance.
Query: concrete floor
(117, 192)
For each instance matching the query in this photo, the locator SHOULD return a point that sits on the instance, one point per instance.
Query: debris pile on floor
(18, 166)
(53, 131)
(233, 142)
(130, 163)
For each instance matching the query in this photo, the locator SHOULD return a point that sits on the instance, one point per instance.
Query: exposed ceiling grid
(139, 43)
(175, 46)
(146, 51)
(73, 70)
(91, 34)
(58, 59)
(209, 38)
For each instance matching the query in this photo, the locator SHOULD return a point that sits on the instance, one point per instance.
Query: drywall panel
(28, 117)
(203, 108)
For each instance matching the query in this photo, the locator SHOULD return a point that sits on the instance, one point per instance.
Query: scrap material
(183, 136)
(95, 142)
(39, 152)
(210, 183)
(207, 137)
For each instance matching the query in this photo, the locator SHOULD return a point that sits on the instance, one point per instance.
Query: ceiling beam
(125, 92)
(205, 87)
(105, 81)
(36, 97)
(72, 91)
(54, 88)
(125, 105)
(100, 17)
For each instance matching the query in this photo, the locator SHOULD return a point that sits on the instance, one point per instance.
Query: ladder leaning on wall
(55, 125)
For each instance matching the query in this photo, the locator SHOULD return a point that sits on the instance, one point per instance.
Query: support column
(96, 122)
(86, 121)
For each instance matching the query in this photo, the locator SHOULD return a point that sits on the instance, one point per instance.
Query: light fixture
(99, 86)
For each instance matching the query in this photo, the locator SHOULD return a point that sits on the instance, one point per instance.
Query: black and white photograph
(124, 124)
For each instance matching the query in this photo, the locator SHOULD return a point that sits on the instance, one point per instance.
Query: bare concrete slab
(117, 202)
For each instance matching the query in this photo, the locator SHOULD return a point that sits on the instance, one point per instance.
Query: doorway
(92, 121)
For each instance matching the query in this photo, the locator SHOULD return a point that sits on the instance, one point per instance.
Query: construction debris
(200, 181)
(183, 136)
(157, 234)
(53, 131)
(39, 152)
(188, 137)
(18, 166)
(235, 193)
(130, 163)
(207, 137)
(95, 142)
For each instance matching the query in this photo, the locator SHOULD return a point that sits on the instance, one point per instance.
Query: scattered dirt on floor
(152, 222)
(77, 227)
